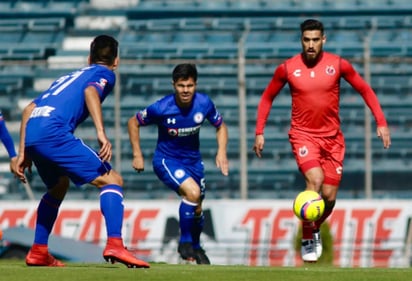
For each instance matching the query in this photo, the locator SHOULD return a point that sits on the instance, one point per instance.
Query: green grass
(17, 270)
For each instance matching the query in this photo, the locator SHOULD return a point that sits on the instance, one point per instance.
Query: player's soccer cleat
(39, 256)
(308, 251)
(201, 257)
(186, 251)
(317, 242)
(116, 252)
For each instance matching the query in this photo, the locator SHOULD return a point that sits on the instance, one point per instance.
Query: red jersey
(315, 94)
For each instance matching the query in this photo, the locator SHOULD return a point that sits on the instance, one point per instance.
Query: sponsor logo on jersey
(42, 111)
(183, 132)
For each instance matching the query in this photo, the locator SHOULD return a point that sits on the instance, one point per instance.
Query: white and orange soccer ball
(308, 205)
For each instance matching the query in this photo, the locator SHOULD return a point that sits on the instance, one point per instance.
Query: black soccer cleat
(201, 257)
(186, 251)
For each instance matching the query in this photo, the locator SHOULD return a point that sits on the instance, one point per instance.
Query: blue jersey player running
(177, 160)
(8, 143)
(47, 139)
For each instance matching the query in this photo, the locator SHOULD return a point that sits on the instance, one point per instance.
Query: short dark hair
(311, 24)
(103, 50)
(184, 71)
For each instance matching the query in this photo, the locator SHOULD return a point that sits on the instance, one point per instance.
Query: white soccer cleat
(308, 251)
(317, 241)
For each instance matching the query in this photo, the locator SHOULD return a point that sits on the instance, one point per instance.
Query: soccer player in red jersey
(315, 134)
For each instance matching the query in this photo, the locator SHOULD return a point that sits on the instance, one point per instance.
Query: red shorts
(326, 152)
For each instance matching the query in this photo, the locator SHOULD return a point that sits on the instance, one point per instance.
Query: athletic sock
(197, 229)
(46, 216)
(111, 206)
(307, 229)
(186, 220)
(326, 213)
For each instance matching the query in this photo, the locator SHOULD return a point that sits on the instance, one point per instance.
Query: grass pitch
(17, 270)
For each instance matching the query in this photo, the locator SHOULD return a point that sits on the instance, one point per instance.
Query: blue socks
(111, 206)
(197, 229)
(46, 216)
(186, 220)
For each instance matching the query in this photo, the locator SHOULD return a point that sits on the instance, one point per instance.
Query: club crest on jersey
(330, 70)
(179, 173)
(303, 151)
(198, 117)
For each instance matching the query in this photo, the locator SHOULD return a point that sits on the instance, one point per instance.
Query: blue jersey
(178, 128)
(62, 107)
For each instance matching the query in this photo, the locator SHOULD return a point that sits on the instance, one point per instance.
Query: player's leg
(190, 194)
(329, 193)
(314, 179)
(48, 207)
(178, 178)
(111, 206)
(85, 166)
(199, 219)
(332, 167)
(306, 150)
(47, 212)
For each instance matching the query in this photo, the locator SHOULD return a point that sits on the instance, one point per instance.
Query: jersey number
(62, 83)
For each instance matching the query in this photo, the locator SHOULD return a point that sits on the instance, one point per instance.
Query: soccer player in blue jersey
(8, 143)
(177, 160)
(47, 139)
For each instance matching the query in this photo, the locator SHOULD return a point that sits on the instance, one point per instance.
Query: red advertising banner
(254, 232)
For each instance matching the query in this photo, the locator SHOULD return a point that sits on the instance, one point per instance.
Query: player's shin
(186, 220)
(111, 206)
(46, 216)
(197, 229)
(329, 205)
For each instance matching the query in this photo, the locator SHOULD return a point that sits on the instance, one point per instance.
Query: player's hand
(258, 146)
(20, 165)
(222, 163)
(105, 152)
(138, 163)
(385, 135)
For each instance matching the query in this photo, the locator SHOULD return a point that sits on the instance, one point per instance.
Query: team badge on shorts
(179, 173)
(303, 151)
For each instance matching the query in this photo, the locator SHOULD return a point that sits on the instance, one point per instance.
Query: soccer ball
(308, 206)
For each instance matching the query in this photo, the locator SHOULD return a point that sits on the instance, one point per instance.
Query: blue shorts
(173, 173)
(68, 157)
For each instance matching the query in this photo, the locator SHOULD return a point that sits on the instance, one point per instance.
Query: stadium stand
(42, 39)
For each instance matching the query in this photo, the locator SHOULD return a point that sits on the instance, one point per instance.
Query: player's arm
(279, 79)
(22, 162)
(94, 106)
(370, 98)
(222, 136)
(133, 127)
(8, 144)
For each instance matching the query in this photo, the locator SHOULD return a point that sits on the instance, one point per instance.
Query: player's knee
(110, 178)
(117, 179)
